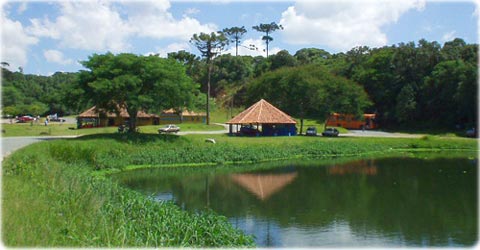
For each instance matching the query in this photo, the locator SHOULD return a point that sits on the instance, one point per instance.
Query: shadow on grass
(135, 138)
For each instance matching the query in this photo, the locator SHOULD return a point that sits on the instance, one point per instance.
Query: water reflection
(387, 202)
(357, 167)
(263, 185)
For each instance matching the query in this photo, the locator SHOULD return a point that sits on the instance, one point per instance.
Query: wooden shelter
(265, 119)
(171, 116)
(94, 118)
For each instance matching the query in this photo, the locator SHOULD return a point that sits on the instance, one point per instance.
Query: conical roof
(262, 112)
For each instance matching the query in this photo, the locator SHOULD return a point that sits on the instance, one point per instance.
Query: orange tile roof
(93, 113)
(184, 112)
(262, 112)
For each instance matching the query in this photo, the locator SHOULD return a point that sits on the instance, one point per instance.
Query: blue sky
(46, 37)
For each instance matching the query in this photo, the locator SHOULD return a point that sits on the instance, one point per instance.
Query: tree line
(408, 84)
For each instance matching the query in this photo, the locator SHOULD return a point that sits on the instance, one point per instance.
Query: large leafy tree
(268, 29)
(210, 45)
(136, 83)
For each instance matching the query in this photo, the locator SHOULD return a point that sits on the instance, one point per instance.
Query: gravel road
(11, 144)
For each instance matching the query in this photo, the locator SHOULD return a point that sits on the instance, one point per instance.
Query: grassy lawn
(57, 193)
(56, 129)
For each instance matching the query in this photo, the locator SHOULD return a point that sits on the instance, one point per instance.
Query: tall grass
(119, 151)
(57, 202)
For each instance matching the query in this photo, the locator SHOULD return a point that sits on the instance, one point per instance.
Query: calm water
(388, 202)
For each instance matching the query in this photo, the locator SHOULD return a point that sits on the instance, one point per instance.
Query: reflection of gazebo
(272, 120)
(263, 185)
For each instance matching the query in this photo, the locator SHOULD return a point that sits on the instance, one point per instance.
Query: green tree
(267, 28)
(308, 91)
(210, 45)
(311, 55)
(189, 60)
(451, 92)
(136, 83)
(37, 108)
(406, 104)
(235, 34)
(282, 59)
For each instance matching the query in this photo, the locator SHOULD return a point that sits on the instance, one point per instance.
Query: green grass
(223, 115)
(57, 193)
(56, 129)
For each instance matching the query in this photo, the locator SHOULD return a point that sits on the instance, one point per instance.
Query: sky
(44, 37)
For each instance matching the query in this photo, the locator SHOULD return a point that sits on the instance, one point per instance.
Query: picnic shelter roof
(262, 112)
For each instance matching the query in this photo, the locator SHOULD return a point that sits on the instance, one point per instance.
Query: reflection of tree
(423, 202)
(357, 167)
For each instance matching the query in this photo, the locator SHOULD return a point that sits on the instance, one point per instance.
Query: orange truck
(349, 121)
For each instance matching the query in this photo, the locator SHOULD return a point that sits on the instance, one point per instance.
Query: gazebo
(262, 118)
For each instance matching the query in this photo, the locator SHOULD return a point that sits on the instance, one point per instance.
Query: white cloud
(152, 19)
(22, 8)
(342, 25)
(56, 57)
(449, 36)
(259, 44)
(106, 25)
(85, 25)
(192, 11)
(14, 42)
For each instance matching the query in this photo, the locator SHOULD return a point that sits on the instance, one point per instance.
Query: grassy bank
(54, 196)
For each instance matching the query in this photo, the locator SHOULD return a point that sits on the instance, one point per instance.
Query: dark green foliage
(416, 84)
(282, 59)
(37, 95)
(311, 55)
(308, 91)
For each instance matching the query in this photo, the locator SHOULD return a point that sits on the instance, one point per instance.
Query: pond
(391, 202)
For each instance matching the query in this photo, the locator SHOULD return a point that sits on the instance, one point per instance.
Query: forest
(416, 84)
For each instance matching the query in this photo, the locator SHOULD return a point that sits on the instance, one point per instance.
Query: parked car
(249, 130)
(25, 118)
(311, 131)
(169, 129)
(58, 119)
(55, 118)
(471, 132)
(330, 132)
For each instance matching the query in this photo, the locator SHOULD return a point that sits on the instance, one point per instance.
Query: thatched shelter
(265, 119)
(172, 116)
(98, 118)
